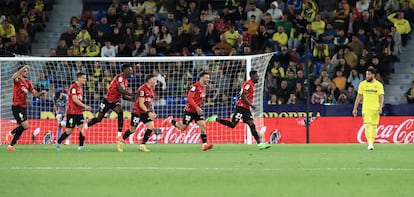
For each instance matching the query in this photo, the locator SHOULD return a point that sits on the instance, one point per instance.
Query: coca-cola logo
(171, 135)
(398, 134)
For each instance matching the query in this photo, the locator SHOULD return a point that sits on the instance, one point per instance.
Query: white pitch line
(206, 168)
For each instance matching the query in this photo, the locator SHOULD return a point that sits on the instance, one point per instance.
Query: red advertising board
(392, 129)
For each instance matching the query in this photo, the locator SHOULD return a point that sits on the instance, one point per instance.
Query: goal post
(175, 75)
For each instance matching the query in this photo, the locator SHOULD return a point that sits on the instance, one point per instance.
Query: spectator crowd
(341, 39)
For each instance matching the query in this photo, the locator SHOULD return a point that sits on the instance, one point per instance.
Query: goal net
(175, 75)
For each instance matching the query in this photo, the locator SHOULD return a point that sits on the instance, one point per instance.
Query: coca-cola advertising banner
(391, 129)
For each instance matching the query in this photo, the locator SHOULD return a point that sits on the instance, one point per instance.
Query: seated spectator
(344, 67)
(410, 94)
(68, 36)
(328, 67)
(355, 78)
(279, 39)
(333, 90)
(402, 26)
(330, 99)
(196, 38)
(7, 31)
(350, 57)
(212, 37)
(93, 50)
(300, 93)
(340, 80)
(135, 6)
(283, 92)
(320, 51)
(351, 93)
(223, 46)
(277, 71)
(108, 50)
(270, 84)
(83, 37)
(292, 99)
(323, 80)
(318, 96)
(342, 99)
(274, 100)
(76, 48)
(140, 49)
(210, 13)
(61, 48)
(164, 40)
(122, 50)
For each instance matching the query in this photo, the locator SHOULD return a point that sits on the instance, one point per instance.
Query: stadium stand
(356, 34)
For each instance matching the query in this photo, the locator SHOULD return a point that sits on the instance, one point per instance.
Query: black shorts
(135, 118)
(241, 113)
(19, 113)
(190, 116)
(73, 120)
(105, 106)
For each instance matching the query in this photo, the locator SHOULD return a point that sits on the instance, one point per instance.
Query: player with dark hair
(371, 92)
(242, 110)
(60, 102)
(112, 98)
(142, 110)
(193, 109)
(74, 113)
(21, 86)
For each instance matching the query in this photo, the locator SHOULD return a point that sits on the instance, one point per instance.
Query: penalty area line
(204, 168)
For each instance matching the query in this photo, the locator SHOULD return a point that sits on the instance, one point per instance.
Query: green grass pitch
(227, 170)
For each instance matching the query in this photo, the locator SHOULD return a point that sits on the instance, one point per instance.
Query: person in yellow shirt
(318, 25)
(252, 26)
(402, 25)
(280, 38)
(7, 31)
(371, 92)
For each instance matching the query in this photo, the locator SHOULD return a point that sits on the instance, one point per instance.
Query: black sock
(120, 121)
(126, 134)
(19, 130)
(203, 137)
(62, 137)
(254, 133)
(93, 121)
(81, 139)
(146, 136)
(173, 122)
(227, 123)
(14, 131)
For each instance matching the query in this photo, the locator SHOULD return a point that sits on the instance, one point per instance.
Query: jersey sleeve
(361, 88)
(380, 89)
(30, 86)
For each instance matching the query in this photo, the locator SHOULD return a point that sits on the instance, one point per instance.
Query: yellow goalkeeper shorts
(370, 117)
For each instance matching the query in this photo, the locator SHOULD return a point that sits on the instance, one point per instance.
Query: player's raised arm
(20, 72)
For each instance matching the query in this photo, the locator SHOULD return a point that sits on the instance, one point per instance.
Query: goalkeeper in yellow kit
(371, 92)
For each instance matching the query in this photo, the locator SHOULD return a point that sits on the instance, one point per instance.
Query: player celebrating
(59, 103)
(193, 109)
(21, 87)
(242, 110)
(112, 99)
(372, 92)
(142, 111)
(74, 112)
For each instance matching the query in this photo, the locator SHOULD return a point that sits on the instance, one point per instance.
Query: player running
(74, 113)
(142, 110)
(112, 99)
(21, 87)
(242, 110)
(371, 92)
(193, 109)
